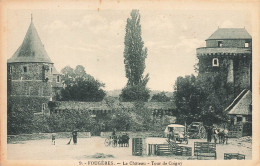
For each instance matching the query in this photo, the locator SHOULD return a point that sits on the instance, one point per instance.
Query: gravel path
(92, 148)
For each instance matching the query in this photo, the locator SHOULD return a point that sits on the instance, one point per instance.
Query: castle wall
(230, 77)
(35, 71)
(206, 63)
(242, 73)
(236, 68)
(26, 103)
(32, 88)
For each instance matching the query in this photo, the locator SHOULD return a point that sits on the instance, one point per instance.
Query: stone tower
(228, 50)
(32, 77)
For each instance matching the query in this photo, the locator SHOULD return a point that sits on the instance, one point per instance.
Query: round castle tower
(32, 77)
(230, 48)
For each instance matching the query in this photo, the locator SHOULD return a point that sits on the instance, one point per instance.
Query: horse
(223, 135)
(114, 137)
(125, 140)
(120, 141)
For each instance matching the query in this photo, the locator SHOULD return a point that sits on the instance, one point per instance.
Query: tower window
(58, 78)
(246, 44)
(51, 70)
(25, 69)
(220, 43)
(215, 62)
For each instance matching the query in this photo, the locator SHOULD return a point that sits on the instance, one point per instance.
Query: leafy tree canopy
(135, 93)
(80, 86)
(201, 98)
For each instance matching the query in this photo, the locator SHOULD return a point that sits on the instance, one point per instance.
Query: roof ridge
(236, 100)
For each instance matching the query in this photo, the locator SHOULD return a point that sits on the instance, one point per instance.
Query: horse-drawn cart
(120, 140)
(197, 130)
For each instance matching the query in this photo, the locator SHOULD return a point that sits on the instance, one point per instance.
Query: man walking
(209, 133)
(74, 135)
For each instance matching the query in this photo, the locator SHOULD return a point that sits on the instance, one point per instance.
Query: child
(53, 139)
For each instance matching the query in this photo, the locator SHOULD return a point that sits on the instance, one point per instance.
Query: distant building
(32, 78)
(229, 50)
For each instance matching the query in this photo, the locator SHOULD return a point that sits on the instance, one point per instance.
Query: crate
(182, 151)
(205, 150)
(230, 156)
(186, 151)
(152, 149)
(137, 146)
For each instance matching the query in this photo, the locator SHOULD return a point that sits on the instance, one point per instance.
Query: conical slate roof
(230, 33)
(31, 50)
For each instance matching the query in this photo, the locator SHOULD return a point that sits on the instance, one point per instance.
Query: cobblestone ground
(94, 148)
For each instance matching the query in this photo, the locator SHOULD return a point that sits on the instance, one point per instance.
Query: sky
(95, 39)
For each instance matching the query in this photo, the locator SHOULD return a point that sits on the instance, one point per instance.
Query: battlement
(223, 51)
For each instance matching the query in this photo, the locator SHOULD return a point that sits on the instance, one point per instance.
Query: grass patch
(101, 155)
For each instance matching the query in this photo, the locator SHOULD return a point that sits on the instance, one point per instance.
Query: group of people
(215, 133)
(120, 140)
(74, 137)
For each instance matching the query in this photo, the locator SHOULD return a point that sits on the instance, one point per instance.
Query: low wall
(37, 136)
(135, 134)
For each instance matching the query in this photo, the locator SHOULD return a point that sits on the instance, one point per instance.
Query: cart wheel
(114, 145)
(107, 142)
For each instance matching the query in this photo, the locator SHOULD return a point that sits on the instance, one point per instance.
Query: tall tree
(134, 56)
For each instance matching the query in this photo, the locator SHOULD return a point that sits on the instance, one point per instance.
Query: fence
(137, 146)
(182, 151)
(230, 156)
(152, 149)
(168, 149)
(205, 150)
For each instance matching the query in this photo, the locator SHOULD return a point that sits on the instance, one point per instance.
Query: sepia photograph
(125, 83)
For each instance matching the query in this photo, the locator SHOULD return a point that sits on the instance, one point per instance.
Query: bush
(135, 93)
(19, 121)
